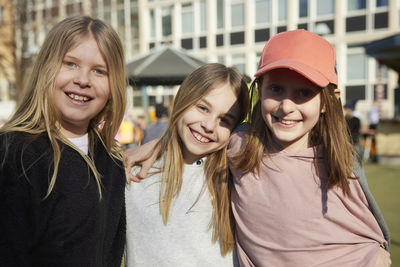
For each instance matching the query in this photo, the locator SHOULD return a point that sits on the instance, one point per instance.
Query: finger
(136, 178)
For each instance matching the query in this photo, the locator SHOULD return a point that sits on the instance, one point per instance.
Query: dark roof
(161, 66)
(386, 50)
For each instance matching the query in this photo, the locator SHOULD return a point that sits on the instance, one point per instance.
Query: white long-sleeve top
(186, 240)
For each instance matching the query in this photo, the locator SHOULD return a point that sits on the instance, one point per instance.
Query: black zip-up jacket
(72, 226)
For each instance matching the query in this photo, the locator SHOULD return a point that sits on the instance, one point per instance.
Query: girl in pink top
(297, 200)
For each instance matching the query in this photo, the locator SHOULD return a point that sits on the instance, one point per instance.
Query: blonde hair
(330, 132)
(36, 112)
(193, 89)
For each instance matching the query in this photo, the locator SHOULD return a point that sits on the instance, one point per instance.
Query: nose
(208, 124)
(82, 79)
(287, 105)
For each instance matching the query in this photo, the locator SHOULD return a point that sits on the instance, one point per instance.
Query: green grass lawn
(384, 182)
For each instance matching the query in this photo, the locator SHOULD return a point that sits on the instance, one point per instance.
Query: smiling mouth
(78, 97)
(285, 122)
(200, 138)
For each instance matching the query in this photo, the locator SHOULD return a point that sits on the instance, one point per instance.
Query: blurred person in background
(354, 125)
(157, 128)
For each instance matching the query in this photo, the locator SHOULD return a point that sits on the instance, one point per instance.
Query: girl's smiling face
(290, 106)
(206, 126)
(82, 87)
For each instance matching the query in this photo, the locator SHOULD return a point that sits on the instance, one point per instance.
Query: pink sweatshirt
(286, 218)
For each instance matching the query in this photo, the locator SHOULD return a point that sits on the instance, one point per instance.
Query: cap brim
(311, 74)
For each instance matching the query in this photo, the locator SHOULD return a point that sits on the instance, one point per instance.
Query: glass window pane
(203, 16)
(356, 66)
(237, 15)
(381, 2)
(121, 23)
(238, 61)
(166, 21)
(356, 4)
(152, 24)
(282, 10)
(263, 11)
(325, 7)
(303, 8)
(187, 18)
(134, 22)
(220, 14)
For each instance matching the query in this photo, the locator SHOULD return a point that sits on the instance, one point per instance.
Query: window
(187, 18)
(261, 35)
(187, 43)
(220, 14)
(219, 40)
(381, 20)
(203, 42)
(238, 61)
(354, 93)
(381, 3)
(303, 8)
(263, 11)
(166, 21)
(203, 16)
(152, 24)
(282, 10)
(237, 15)
(356, 4)
(134, 22)
(358, 23)
(237, 38)
(356, 67)
(121, 23)
(325, 7)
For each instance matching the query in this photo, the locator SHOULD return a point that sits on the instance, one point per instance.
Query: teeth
(288, 122)
(201, 138)
(78, 97)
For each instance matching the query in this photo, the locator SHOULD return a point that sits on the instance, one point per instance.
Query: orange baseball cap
(304, 52)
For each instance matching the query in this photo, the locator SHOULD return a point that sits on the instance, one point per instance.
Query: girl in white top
(176, 216)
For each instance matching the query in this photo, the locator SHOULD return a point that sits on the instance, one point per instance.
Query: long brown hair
(330, 132)
(36, 113)
(194, 88)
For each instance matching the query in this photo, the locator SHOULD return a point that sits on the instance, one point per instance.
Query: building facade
(234, 32)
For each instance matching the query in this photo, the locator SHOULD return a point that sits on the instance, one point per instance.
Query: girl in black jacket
(61, 177)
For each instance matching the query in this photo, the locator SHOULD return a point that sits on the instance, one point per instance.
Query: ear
(337, 93)
(323, 109)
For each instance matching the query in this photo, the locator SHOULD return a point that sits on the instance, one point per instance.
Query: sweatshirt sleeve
(359, 172)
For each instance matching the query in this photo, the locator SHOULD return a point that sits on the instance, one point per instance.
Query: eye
(225, 120)
(100, 71)
(202, 108)
(275, 89)
(70, 64)
(305, 93)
